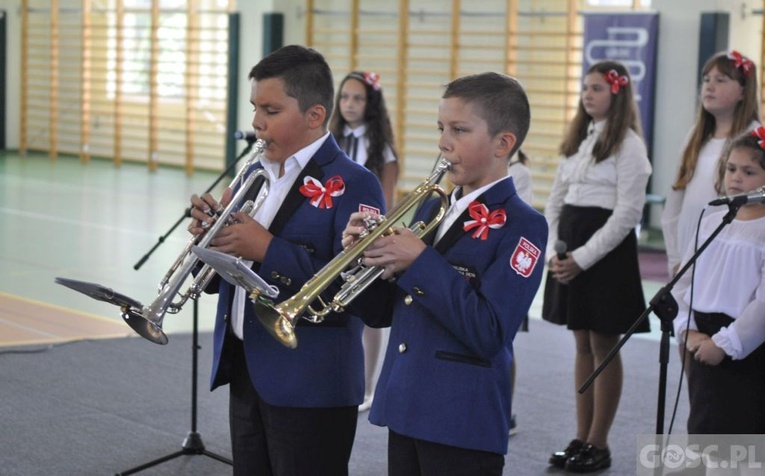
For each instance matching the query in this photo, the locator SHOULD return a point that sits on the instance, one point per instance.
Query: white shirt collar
(358, 132)
(465, 200)
(596, 127)
(299, 159)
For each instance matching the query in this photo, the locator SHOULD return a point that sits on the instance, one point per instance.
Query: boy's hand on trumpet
(205, 211)
(394, 252)
(357, 224)
(245, 238)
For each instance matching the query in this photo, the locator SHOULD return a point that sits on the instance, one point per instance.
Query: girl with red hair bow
(728, 107)
(362, 126)
(593, 282)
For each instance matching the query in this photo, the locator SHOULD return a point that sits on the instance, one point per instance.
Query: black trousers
(413, 457)
(270, 440)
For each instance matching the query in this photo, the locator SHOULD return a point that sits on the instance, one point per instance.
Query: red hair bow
(321, 195)
(741, 62)
(760, 134)
(482, 220)
(616, 81)
(373, 79)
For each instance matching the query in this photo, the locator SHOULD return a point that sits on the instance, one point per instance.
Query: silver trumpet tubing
(280, 319)
(147, 320)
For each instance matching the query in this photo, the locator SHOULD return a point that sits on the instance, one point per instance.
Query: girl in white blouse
(721, 314)
(361, 126)
(595, 204)
(728, 107)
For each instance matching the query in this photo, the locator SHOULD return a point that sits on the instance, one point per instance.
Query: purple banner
(631, 39)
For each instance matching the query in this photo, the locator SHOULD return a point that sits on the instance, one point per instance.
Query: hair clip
(373, 79)
(760, 134)
(616, 81)
(741, 62)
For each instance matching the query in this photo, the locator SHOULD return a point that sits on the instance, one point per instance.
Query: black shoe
(589, 459)
(513, 426)
(559, 458)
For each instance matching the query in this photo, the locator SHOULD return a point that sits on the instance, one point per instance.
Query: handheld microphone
(249, 136)
(560, 250)
(756, 196)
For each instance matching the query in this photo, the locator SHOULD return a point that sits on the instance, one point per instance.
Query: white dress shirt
(280, 187)
(617, 183)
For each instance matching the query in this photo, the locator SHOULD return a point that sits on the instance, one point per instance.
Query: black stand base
(192, 445)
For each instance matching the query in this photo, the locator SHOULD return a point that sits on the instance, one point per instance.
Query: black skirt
(725, 398)
(607, 298)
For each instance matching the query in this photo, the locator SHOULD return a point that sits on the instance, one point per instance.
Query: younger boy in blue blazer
(455, 306)
(293, 412)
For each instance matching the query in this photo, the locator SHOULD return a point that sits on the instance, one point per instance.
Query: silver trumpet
(147, 320)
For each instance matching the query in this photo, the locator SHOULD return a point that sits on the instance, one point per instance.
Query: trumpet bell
(276, 324)
(129, 306)
(144, 327)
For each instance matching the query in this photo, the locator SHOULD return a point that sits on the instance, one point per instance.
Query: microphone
(560, 249)
(756, 196)
(249, 136)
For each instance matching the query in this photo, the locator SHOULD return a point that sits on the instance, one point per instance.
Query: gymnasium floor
(90, 222)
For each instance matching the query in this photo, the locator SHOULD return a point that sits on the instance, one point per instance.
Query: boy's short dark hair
(500, 100)
(305, 73)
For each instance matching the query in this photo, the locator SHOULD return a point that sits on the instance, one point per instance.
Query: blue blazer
(327, 368)
(454, 314)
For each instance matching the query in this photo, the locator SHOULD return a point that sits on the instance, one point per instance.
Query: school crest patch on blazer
(524, 257)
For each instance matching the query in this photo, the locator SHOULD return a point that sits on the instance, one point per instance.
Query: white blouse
(617, 183)
(522, 180)
(361, 150)
(729, 278)
(683, 207)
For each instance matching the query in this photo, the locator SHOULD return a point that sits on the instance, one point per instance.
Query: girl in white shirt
(519, 170)
(728, 106)
(721, 316)
(361, 126)
(595, 204)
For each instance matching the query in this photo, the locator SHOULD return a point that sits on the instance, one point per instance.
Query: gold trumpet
(280, 319)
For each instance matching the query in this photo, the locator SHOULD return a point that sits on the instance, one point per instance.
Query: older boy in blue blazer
(292, 412)
(444, 390)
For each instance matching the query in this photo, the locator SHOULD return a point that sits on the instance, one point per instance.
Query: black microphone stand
(187, 212)
(665, 307)
(192, 444)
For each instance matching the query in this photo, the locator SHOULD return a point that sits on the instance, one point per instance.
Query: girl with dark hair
(362, 127)
(722, 329)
